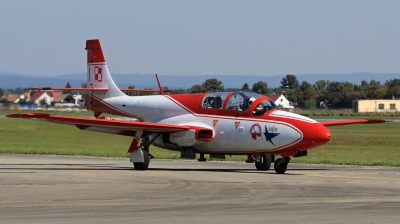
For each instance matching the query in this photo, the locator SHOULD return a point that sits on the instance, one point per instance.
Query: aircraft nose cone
(323, 135)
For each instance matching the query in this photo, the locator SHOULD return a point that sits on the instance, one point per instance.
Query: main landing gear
(144, 149)
(263, 162)
(146, 161)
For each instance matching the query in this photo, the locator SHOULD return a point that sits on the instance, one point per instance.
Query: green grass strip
(363, 144)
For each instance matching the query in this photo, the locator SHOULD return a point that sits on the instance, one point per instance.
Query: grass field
(364, 144)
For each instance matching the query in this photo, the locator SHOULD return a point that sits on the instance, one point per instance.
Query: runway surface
(66, 189)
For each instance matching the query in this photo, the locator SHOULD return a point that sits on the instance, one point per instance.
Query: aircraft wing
(346, 122)
(124, 127)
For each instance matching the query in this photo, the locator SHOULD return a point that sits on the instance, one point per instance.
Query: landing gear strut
(280, 165)
(145, 147)
(262, 162)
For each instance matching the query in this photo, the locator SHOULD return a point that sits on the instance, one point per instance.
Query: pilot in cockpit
(262, 108)
(251, 100)
(247, 102)
(259, 110)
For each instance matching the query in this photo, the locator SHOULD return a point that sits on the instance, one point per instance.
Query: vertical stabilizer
(98, 75)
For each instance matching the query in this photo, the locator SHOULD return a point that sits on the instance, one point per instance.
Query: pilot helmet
(251, 100)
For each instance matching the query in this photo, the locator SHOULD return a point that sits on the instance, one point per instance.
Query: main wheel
(265, 162)
(145, 164)
(280, 166)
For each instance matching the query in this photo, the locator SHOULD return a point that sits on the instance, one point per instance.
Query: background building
(280, 99)
(376, 105)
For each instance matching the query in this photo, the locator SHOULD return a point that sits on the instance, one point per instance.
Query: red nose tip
(323, 135)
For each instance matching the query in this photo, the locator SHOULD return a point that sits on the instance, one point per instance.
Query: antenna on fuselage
(159, 85)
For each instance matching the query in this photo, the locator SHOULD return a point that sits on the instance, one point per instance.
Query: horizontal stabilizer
(72, 89)
(97, 89)
(146, 90)
(346, 122)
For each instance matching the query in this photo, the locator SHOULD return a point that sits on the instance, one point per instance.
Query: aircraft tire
(265, 163)
(145, 164)
(280, 167)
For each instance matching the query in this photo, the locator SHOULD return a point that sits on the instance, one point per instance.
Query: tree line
(322, 93)
(337, 94)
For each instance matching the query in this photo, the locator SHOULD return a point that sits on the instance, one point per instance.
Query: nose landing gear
(280, 165)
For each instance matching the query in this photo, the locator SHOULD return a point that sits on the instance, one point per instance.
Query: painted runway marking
(352, 176)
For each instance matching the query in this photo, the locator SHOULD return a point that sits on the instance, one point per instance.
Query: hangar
(376, 105)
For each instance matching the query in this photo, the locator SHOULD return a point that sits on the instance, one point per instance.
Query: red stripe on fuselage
(100, 105)
(190, 102)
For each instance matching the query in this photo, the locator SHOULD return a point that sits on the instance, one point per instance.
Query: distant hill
(13, 80)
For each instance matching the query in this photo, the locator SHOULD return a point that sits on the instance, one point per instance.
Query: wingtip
(376, 121)
(12, 115)
(27, 115)
(347, 122)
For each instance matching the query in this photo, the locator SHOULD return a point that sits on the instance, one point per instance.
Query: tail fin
(98, 75)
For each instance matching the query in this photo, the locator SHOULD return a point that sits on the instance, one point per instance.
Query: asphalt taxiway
(65, 189)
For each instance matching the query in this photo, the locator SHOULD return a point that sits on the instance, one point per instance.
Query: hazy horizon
(149, 81)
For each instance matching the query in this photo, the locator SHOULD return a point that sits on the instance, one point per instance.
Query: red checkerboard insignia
(98, 77)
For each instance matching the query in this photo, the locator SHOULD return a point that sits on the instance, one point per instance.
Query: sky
(47, 38)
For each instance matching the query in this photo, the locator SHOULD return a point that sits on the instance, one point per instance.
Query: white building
(280, 99)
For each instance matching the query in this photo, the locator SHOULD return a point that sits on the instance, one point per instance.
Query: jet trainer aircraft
(219, 123)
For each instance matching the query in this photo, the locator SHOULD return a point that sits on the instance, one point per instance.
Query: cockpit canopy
(237, 101)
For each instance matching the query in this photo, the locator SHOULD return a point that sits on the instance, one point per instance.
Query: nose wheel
(280, 165)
